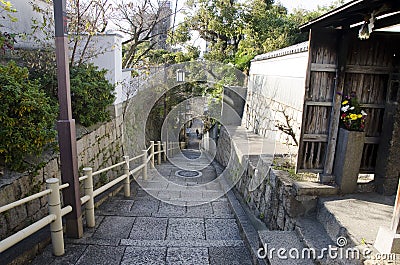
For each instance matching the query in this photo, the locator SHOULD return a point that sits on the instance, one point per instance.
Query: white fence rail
(54, 218)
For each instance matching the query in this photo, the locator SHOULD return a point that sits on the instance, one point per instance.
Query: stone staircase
(351, 221)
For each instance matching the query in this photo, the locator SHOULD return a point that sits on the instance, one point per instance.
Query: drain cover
(192, 155)
(188, 173)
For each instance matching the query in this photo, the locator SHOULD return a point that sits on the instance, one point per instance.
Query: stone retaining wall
(223, 147)
(98, 149)
(270, 194)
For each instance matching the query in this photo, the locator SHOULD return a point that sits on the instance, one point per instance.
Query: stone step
(312, 233)
(355, 218)
(315, 189)
(181, 243)
(272, 241)
(314, 237)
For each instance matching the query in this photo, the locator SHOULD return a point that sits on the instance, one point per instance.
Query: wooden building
(339, 63)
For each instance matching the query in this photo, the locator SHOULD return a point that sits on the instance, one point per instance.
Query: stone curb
(251, 238)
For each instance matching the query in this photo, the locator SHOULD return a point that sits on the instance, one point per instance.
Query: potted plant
(350, 143)
(352, 116)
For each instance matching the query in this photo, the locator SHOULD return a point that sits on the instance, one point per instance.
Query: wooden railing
(54, 218)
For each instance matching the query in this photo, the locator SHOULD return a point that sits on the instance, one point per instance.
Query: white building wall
(104, 51)
(276, 88)
(25, 15)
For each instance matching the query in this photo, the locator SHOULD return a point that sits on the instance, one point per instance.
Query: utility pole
(66, 125)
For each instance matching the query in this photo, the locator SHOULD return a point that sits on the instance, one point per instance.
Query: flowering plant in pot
(352, 116)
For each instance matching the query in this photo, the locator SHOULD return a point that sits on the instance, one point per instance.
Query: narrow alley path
(174, 217)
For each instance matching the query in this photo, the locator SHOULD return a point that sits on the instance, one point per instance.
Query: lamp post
(180, 76)
(66, 125)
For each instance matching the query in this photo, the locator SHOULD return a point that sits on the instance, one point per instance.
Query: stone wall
(99, 148)
(387, 171)
(271, 194)
(223, 147)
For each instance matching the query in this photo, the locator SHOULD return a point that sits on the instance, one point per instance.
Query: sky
(306, 4)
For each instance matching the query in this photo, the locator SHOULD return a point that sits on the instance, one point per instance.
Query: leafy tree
(219, 22)
(236, 31)
(160, 56)
(26, 115)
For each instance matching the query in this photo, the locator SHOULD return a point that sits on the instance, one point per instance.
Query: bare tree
(87, 18)
(143, 22)
(286, 125)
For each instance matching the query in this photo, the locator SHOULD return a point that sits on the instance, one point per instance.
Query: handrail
(136, 157)
(63, 186)
(108, 185)
(136, 169)
(108, 168)
(27, 231)
(53, 192)
(24, 200)
(53, 218)
(85, 199)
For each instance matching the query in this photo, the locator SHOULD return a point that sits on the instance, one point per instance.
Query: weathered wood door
(345, 64)
(319, 91)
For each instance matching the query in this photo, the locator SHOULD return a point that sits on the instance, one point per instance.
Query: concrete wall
(105, 51)
(98, 149)
(276, 86)
(25, 15)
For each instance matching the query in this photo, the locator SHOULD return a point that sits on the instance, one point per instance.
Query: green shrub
(91, 94)
(26, 116)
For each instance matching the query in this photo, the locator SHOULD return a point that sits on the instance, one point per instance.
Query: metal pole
(66, 125)
(57, 237)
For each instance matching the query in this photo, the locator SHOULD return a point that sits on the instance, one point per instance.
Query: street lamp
(180, 76)
(66, 125)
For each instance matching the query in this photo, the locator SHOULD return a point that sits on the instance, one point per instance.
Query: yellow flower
(359, 116)
(345, 102)
(353, 116)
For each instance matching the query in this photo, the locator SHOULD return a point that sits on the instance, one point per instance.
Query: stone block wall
(223, 147)
(100, 148)
(387, 171)
(269, 193)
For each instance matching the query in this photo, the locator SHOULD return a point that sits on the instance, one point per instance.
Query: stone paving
(169, 219)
